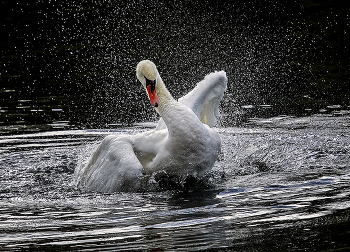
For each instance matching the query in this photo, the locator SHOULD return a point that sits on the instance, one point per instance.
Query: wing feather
(205, 98)
(112, 167)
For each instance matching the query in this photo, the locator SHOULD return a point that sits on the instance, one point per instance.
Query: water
(67, 79)
(68, 64)
(281, 179)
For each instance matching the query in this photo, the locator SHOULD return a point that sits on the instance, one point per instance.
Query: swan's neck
(179, 119)
(165, 98)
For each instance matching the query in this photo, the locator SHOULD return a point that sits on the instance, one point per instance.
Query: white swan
(180, 145)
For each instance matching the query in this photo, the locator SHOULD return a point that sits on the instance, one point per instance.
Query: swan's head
(147, 73)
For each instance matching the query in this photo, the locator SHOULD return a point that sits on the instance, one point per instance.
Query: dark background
(72, 63)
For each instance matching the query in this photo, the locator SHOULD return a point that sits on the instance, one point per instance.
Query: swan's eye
(152, 83)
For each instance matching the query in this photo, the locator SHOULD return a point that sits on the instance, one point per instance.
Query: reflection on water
(286, 181)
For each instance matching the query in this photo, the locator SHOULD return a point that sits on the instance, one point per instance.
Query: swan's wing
(112, 167)
(204, 99)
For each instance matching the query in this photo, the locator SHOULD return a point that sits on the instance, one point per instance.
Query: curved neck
(164, 96)
(172, 111)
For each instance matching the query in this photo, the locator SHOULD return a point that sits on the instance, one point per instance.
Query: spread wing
(205, 98)
(112, 167)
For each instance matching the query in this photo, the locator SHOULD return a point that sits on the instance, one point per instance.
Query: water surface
(281, 179)
(67, 79)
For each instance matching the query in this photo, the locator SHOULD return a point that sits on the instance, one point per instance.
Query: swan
(182, 144)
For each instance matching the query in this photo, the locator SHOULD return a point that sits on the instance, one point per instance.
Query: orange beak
(152, 93)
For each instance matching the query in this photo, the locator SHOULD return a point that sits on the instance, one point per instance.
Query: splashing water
(283, 177)
(70, 66)
(74, 63)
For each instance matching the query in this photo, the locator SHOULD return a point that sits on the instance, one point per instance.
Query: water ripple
(299, 187)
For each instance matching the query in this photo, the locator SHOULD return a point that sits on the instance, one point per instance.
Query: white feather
(181, 144)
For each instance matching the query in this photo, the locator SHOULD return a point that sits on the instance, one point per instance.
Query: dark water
(281, 184)
(71, 64)
(67, 79)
